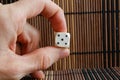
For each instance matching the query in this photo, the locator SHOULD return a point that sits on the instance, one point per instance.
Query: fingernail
(65, 53)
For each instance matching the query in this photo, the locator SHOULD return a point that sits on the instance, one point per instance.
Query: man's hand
(14, 28)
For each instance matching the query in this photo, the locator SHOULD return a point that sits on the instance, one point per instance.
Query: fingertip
(64, 53)
(38, 75)
(58, 22)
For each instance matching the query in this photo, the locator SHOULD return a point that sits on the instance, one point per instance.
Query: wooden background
(95, 33)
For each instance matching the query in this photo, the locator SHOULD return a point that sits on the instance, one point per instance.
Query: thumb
(43, 58)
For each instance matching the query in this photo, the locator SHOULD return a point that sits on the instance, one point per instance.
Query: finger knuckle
(45, 62)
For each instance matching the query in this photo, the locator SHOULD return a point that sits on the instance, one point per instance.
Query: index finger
(47, 8)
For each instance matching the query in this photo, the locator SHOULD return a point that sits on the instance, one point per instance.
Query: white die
(62, 39)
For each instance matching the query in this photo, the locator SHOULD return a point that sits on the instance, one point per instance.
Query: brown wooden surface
(82, 74)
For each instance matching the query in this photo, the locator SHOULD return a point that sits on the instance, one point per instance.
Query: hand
(14, 28)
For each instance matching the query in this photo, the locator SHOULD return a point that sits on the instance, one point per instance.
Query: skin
(14, 28)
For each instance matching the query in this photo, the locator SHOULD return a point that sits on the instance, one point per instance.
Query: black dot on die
(62, 39)
(66, 35)
(58, 35)
(58, 43)
(65, 43)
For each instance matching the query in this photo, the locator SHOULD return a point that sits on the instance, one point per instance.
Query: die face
(62, 39)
